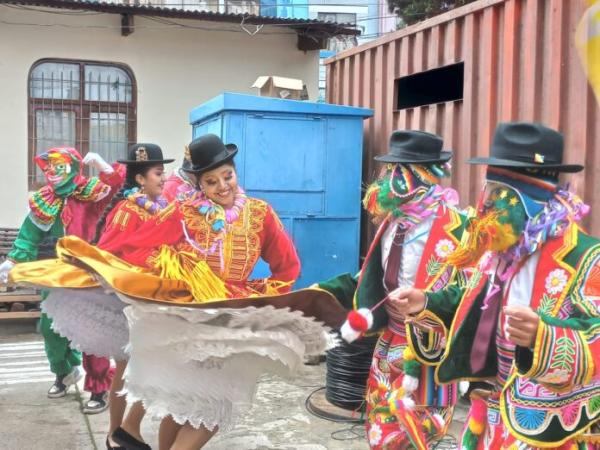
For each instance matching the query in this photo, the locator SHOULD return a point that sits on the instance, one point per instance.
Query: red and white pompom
(357, 323)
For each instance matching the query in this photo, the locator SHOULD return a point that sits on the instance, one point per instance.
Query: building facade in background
(99, 78)
(371, 17)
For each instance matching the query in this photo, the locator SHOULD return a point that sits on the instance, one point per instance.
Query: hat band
(415, 155)
(535, 158)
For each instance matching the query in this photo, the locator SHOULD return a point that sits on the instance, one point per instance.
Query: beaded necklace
(136, 196)
(217, 217)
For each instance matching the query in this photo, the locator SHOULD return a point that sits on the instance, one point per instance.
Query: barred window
(87, 105)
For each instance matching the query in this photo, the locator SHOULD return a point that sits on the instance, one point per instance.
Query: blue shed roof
(230, 101)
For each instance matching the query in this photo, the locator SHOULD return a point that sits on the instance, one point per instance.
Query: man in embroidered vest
(527, 317)
(69, 203)
(419, 228)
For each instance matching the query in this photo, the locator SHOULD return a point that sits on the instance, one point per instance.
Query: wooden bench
(9, 295)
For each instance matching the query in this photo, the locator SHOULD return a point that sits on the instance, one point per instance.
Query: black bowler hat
(526, 145)
(415, 147)
(207, 152)
(144, 154)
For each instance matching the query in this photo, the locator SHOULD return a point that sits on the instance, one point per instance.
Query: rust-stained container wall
(520, 63)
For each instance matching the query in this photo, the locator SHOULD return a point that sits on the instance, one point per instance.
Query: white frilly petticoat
(91, 319)
(202, 365)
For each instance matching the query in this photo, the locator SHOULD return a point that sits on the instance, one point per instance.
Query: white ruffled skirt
(91, 319)
(202, 365)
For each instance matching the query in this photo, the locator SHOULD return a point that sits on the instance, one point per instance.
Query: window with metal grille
(87, 105)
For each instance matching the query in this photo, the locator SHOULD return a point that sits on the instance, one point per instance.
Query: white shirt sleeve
(412, 250)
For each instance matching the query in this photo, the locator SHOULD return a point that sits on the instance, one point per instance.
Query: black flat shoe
(127, 441)
(108, 447)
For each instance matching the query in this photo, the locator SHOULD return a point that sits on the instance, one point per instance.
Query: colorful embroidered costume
(211, 358)
(232, 255)
(546, 396)
(69, 204)
(199, 364)
(409, 249)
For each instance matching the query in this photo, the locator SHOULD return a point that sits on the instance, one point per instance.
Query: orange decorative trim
(241, 245)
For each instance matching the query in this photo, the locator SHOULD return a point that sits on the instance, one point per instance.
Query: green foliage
(412, 11)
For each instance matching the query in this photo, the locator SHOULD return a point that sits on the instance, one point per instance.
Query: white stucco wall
(176, 69)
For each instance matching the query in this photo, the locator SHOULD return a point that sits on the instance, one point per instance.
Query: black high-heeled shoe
(108, 447)
(127, 441)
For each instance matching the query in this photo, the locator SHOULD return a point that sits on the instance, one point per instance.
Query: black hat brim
(231, 152)
(567, 168)
(146, 162)
(444, 157)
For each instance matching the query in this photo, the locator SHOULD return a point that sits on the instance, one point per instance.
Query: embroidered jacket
(432, 273)
(552, 393)
(257, 233)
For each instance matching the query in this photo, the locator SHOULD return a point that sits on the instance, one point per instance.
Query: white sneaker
(58, 389)
(74, 377)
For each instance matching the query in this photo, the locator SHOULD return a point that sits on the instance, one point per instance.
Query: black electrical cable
(347, 372)
(332, 417)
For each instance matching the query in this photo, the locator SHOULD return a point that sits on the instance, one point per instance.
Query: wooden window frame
(81, 107)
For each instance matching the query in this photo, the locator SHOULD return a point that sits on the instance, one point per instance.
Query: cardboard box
(279, 87)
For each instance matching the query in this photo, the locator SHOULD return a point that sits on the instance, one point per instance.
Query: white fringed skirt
(91, 319)
(202, 365)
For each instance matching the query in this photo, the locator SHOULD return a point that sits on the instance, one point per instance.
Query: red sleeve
(80, 218)
(115, 181)
(131, 238)
(121, 223)
(278, 250)
(94, 210)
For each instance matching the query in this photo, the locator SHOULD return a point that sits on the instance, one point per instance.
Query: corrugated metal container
(520, 63)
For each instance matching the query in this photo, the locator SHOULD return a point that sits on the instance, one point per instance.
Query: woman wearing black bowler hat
(201, 333)
(209, 377)
(139, 200)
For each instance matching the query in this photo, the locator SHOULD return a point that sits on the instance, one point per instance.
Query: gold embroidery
(120, 219)
(134, 208)
(241, 247)
(166, 213)
(123, 215)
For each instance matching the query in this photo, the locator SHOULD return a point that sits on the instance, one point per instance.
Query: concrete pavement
(279, 419)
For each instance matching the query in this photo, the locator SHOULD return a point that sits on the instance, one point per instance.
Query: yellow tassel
(479, 240)
(408, 354)
(427, 425)
(274, 287)
(475, 427)
(202, 282)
